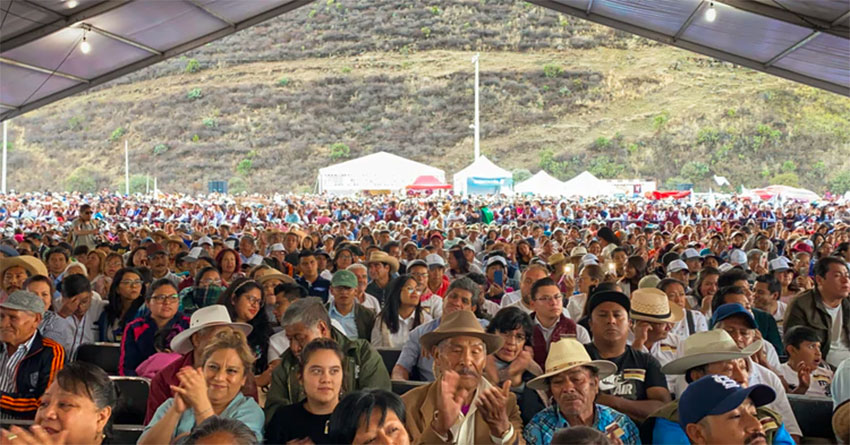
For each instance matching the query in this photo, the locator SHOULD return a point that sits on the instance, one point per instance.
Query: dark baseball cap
(715, 394)
(727, 310)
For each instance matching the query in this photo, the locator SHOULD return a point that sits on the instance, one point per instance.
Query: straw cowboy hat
(565, 354)
(31, 264)
(213, 315)
(841, 421)
(707, 347)
(383, 257)
(556, 258)
(652, 305)
(275, 275)
(461, 323)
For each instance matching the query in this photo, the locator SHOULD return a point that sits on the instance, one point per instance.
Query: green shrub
(81, 180)
(283, 81)
(520, 174)
(244, 167)
(210, 122)
(552, 70)
(660, 120)
(196, 138)
(117, 134)
(695, 171)
(137, 184)
(788, 167)
(708, 136)
(339, 151)
(436, 10)
(346, 69)
(790, 179)
(602, 143)
(75, 123)
(840, 183)
(192, 66)
(426, 31)
(10, 146)
(237, 185)
(194, 93)
(160, 149)
(605, 168)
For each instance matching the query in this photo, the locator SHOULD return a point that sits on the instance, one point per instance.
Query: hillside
(267, 107)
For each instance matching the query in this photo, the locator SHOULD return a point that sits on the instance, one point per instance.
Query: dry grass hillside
(266, 108)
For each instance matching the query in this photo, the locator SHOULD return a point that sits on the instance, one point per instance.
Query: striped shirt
(9, 364)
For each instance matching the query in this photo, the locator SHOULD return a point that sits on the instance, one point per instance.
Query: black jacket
(35, 373)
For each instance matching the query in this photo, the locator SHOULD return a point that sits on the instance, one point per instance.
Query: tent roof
(541, 183)
(585, 184)
(483, 168)
(382, 162)
(40, 59)
(804, 41)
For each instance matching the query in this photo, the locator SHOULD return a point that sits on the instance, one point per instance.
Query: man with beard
(717, 410)
(573, 380)
(461, 406)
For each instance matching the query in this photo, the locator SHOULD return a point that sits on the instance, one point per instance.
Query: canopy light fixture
(711, 13)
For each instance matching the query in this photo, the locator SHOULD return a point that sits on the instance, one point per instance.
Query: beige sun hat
(652, 305)
(461, 323)
(212, 315)
(565, 354)
(707, 347)
(31, 264)
(385, 258)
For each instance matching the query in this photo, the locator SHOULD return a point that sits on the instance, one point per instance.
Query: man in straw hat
(573, 379)
(382, 267)
(203, 326)
(654, 315)
(708, 353)
(15, 270)
(461, 406)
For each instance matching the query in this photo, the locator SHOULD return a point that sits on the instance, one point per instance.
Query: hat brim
(275, 276)
(760, 394)
(781, 269)
(676, 315)
(681, 365)
(493, 342)
(182, 343)
(841, 421)
(604, 368)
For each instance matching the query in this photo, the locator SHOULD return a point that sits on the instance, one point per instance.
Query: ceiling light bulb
(85, 47)
(711, 14)
(72, 4)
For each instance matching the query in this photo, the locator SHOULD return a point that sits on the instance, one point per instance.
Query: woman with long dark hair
(401, 314)
(124, 301)
(245, 304)
(635, 270)
(458, 265)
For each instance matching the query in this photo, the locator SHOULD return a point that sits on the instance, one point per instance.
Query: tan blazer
(421, 404)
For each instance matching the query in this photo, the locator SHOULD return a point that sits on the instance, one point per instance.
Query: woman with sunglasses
(138, 341)
(401, 314)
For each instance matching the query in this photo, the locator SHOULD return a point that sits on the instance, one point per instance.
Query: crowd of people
(271, 319)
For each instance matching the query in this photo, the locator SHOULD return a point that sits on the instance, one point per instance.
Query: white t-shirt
(837, 351)
(510, 298)
(575, 306)
(779, 315)
(820, 383)
(681, 330)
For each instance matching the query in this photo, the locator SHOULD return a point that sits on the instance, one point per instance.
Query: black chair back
(390, 357)
(104, 355)
(132, 400)
(813, 414)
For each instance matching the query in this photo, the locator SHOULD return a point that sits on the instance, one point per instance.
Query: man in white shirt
(521, 298)
(766, 291)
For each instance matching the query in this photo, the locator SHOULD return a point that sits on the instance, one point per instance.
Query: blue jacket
(137, 343)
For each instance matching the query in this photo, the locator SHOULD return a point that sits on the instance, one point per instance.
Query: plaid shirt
(543, 426)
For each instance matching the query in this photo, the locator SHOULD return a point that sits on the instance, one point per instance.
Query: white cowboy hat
(707, 347)
(213, 315)
(565, 354)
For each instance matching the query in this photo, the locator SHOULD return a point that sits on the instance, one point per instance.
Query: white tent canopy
(377, 171)
(586, 185)
(541, 183)
(481, 169)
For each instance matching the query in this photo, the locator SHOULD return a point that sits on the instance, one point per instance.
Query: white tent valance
(377, 171)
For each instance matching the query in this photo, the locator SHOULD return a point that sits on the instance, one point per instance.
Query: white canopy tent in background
(377, 171)
(484, 173)
(541, 183)
(586, 185)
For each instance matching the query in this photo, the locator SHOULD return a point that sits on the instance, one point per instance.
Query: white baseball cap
(676, 266)
(435, 260)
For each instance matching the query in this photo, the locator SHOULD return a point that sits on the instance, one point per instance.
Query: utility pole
(126, 168)
(4, 158)
(475, 124)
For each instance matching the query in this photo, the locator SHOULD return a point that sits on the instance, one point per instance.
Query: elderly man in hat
(382, 267)
(572, 379)
(28, 361)
(461, 406)
(707, 353)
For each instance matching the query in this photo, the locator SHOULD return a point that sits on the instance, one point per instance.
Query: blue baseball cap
(717, 394)
(729, 309)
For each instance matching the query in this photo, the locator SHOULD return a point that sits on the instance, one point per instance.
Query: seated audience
(125, 297)
(369, 416)
(550, 323)
(769, 357)
(716, 410)
(521, 298)
(304, 321)
(590, 276)
(76, 409)
(320, 373)
(366, 300)
(244, 301)
(461, 406)
(29, 361)
(401, 314)
(693, 321)
(356, 320)
(220, 430)
(579, 435)
(308, 265)
(653, 316)
(765, 322)
(462, 295)
(826, 309)
(74, 322)
(213, 389)
(638, 387)
(205, 291)
(137, 343)
(841, 402)
(805, 372)
(766, 291)
(573, 380)
(515, 360)
(203, 326)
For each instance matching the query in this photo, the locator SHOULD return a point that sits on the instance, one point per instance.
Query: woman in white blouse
(401, 314)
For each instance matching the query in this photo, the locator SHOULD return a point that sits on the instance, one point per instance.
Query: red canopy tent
(662, 194)
(427, 182)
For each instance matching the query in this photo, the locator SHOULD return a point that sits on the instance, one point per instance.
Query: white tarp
(377, 171)
(586, 185)
(541, 183)
(482, 169)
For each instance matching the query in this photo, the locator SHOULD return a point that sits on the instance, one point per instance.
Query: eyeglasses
(548, 298)
(518, 338)
(164, 298)
(132, 282)
(419, 275)
(254, 300)
(207, 282)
